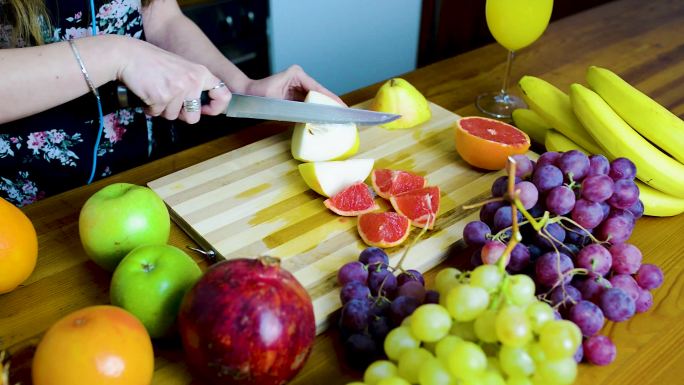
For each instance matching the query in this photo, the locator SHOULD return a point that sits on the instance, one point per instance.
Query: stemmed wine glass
(515, 24)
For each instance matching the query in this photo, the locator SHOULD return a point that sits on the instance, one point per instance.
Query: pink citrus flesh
(354, 200)
(388, 183)
(386, 229)
(420, 206)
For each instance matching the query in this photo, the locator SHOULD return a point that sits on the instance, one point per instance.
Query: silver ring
(221, 84)
(191, 105)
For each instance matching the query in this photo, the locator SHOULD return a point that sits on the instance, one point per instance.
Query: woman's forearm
(167, 27)
(37, 78)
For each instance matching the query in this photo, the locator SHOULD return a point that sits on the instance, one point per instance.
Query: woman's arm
(38, 78)
(167, 27)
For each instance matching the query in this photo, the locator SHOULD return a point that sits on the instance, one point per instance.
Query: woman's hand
(292, 84)
(164, 80)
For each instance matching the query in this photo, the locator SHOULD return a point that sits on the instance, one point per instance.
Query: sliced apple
(322, 142)
(329, 178)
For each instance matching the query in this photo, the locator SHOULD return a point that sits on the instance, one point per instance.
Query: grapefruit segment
(385, 229)
(354, 200)
(420, 206)
(388, 183)
(487, 143)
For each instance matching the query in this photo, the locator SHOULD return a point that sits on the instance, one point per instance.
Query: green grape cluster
(488, 329)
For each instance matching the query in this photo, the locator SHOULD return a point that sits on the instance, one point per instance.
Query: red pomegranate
(247, 321)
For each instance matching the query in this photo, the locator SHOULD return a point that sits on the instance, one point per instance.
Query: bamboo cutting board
(252, 201)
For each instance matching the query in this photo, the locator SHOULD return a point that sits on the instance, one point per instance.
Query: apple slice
(322, 142)
(329, 178)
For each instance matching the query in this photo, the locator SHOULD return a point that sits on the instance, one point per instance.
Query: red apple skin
(247, 321)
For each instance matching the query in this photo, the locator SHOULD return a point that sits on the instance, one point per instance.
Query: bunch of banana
(604, 120)
(655, 122)
(553, 105)
(618, 139)
(530, 122)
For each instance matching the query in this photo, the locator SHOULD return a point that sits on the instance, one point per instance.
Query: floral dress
(53, 151)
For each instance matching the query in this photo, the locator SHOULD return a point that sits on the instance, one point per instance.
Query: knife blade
(258, 107)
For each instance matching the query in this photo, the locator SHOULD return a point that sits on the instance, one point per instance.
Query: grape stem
(431, 219)
(480, 204)
(572, 272)
(536, 224)
(513, 195)
(515, 230)
(496, 301)
(590, 235)
(4, 367)
(544, 233)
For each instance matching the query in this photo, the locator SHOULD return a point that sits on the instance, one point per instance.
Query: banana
(553, 105)
(530, 122)
(655, 122)
(618, 139)
(555, 141)
(656, 203)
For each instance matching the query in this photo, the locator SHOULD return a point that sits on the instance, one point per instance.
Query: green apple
(321, 142)
(329, 178)
(150, 283)
(119, 218)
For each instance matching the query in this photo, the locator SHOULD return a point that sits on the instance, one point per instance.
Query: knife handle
(119, 95)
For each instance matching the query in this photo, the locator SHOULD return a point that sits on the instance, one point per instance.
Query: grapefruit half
(354, 200)
(487, 143)
(420, 206)
(386, 229)
(388, 183)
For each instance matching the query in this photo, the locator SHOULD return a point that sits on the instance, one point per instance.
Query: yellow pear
(397, 96)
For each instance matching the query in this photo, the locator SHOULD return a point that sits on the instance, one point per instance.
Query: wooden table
(643, 41)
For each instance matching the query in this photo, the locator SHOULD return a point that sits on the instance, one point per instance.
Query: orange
(18, 247)
(95, 345)
(487, 143)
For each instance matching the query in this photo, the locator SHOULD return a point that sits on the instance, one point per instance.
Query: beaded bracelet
(77, 55)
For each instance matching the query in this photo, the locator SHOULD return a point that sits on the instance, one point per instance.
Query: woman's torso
(52, 151)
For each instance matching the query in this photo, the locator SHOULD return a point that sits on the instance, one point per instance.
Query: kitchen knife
(257, 107)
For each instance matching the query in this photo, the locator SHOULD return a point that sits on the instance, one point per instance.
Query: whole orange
(487, 143)
(95, 345)
(18, 247)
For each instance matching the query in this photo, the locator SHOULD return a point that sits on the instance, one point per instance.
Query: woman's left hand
(292, 84)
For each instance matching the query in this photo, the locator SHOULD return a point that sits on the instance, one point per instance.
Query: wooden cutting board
(252, 201)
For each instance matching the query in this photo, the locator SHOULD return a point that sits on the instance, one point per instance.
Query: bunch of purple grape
(374, 302)
(579, 259)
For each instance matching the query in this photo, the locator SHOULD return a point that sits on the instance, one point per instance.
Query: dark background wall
(450, 27)
(238, 28)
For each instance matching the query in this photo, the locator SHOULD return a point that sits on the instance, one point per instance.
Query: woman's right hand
(164, 80)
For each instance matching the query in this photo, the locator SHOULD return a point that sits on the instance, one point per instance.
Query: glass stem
(507, 75)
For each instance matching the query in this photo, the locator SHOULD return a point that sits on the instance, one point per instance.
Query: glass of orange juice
(515, 24)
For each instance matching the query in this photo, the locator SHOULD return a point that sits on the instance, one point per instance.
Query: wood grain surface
(252, 201)
(642, 41)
